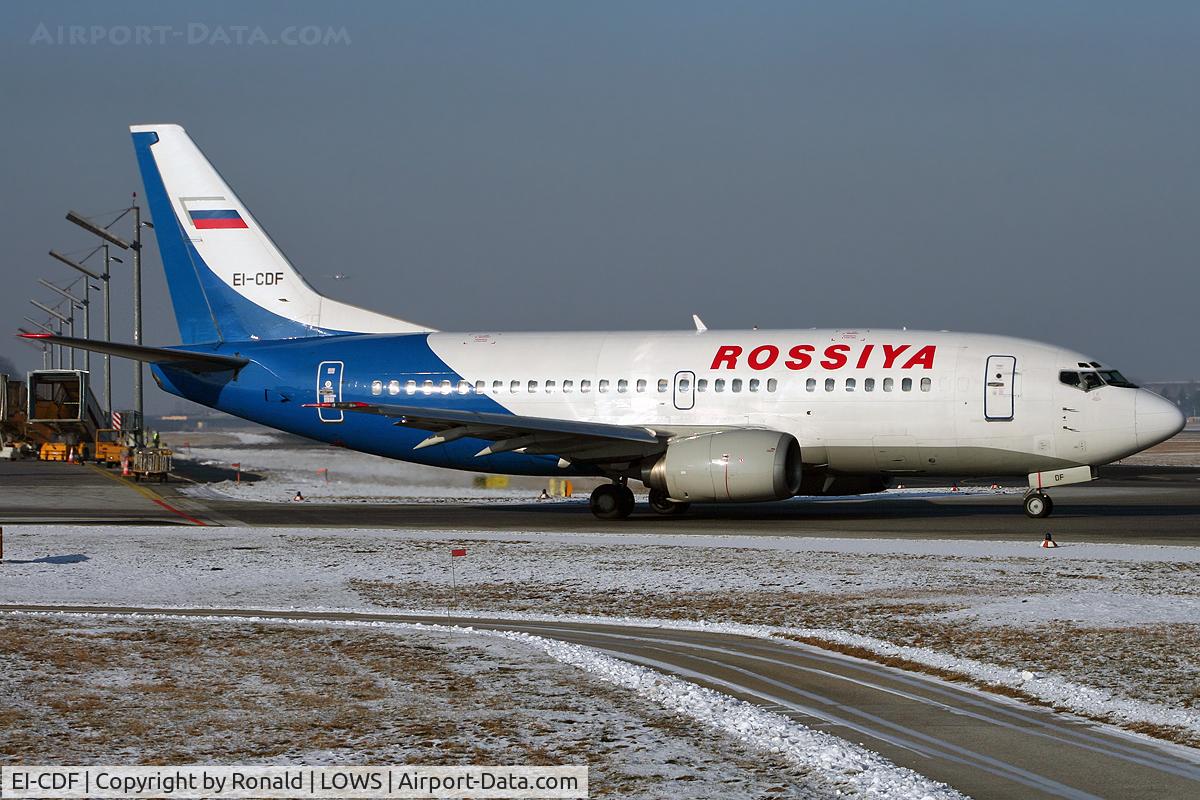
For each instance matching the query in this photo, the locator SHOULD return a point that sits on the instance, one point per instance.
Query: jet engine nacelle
(728, 466)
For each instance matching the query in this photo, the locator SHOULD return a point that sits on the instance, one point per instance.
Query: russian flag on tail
(222, 218)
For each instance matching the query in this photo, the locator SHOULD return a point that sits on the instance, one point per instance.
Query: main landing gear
(612, 501)
(661, 504)
(1038, 505)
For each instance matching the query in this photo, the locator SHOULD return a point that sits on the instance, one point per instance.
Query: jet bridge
(62, 400)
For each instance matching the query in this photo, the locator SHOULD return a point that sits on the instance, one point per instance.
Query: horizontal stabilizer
(184, 359)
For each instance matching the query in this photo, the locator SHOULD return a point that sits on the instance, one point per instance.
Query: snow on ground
(1107, 630)
(348, 692)
(283, 465)
(124, 690)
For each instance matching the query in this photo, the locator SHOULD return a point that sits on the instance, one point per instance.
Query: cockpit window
(1093, 380)
(1114, 378)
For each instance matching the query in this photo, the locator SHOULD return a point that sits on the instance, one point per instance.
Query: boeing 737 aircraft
(697, 416)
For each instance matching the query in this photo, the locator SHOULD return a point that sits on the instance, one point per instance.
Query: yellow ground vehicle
(109, 446)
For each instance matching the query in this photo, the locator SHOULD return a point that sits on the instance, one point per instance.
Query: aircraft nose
(1155, 419)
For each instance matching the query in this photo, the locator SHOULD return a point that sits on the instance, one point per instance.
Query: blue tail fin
(228, 280)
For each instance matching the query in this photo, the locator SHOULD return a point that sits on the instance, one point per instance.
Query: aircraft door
(685, 390)
(329, 390)
(998, 388)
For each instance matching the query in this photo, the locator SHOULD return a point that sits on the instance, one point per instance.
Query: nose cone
(1155, 419)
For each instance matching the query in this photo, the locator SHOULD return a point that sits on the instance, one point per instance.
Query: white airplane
(697, 416)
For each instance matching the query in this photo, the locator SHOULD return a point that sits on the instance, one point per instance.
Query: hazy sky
(1022, 168)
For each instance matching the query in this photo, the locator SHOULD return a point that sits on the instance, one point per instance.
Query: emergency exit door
(998, 390)
(685, 390)
(329, 390)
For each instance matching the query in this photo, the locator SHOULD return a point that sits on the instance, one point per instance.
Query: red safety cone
(1049, 541)
(125, 473)
(954, 488)
(70, 455)
(995, 486)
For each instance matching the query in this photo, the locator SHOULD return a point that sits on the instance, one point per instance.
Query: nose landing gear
(1038, 505)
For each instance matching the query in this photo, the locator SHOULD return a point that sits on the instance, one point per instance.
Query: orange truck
(109, 447)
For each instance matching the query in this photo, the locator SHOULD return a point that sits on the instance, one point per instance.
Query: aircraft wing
(574, 440)
(189, 360)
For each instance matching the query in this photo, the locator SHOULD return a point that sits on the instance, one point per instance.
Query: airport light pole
(105, 279)
(85, 305)
(46, 349)
(70, 321)
(136, 245)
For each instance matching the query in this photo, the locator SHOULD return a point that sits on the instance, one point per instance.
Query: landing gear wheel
(611, 501)
(1038, 505)
(661, 505)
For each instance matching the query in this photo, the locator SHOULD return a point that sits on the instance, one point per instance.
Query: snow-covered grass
(1111, 631)
(291, 691)
(120, 690)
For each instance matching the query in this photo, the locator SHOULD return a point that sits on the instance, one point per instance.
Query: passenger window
(376, 387)
(850, 384)
(585, 386)
(393, 387)
(426, 387)
(868, 384)
(926, 384)
(641, 385)
(888, 383)
(772, 384)
(410, 387)
(906, 385)
(497, 386)
(480, 386)
(514, 387)
(684, 384)
(446, 387)
(622, 386)
(549, 387)
(663, 384)
(735, 385)
(531, 387)
(603, 387)
(568, 387)
(829, 384)
(810, 385)
(702, 385)
(755, 383)
(719, 385)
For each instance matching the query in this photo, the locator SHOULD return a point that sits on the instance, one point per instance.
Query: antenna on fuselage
(700, 326)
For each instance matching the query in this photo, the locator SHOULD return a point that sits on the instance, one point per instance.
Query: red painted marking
(727, 355)
(175, 510)
(36, 335)
(211, 224)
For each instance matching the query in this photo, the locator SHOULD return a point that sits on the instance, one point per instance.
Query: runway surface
(1148, 505)
(983, 745)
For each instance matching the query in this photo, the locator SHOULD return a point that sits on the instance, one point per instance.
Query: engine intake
(728, 466)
